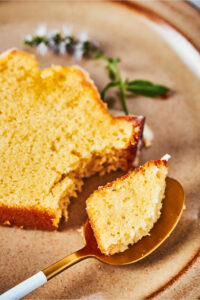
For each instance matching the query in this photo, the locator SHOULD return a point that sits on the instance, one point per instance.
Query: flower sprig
(66, 43)
(61, 43)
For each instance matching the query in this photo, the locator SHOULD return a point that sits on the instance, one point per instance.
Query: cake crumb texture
(54, 131)
(125, 210)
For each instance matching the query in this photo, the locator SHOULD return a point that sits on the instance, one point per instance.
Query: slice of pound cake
(54, 131)
(125, 210)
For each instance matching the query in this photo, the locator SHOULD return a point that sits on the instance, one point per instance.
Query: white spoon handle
(25, 287)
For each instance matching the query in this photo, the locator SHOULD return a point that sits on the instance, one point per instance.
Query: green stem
(122, 88)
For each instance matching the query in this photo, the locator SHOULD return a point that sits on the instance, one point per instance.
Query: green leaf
(30, 43)
(107, 87)
(146, 88)
(71, 40)
(57, 38)
(87, 48)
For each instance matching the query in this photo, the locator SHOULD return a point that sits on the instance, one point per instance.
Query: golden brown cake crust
(131, 152)
(141, 169)
(30, 218)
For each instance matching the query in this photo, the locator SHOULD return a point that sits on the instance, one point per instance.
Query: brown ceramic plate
(125, 30)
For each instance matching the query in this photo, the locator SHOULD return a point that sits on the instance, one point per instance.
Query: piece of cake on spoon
(125, 210)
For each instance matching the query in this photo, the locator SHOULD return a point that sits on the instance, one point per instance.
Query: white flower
(28, 38)
(42, 48)
(62, 48)
(67, 41)
(41, 30)
(78, 55)
(67, 30)
(83, 37)
(51, 43)
(51, 33)
(78, 51)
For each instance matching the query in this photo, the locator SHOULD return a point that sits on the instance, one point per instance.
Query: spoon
(172, 209)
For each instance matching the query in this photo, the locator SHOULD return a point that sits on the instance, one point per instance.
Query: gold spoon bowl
(173, 205)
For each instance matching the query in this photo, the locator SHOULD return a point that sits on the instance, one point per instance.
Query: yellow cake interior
(54, 130)
(122, 212)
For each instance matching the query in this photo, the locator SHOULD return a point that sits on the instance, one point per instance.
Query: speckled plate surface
(123, 29)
